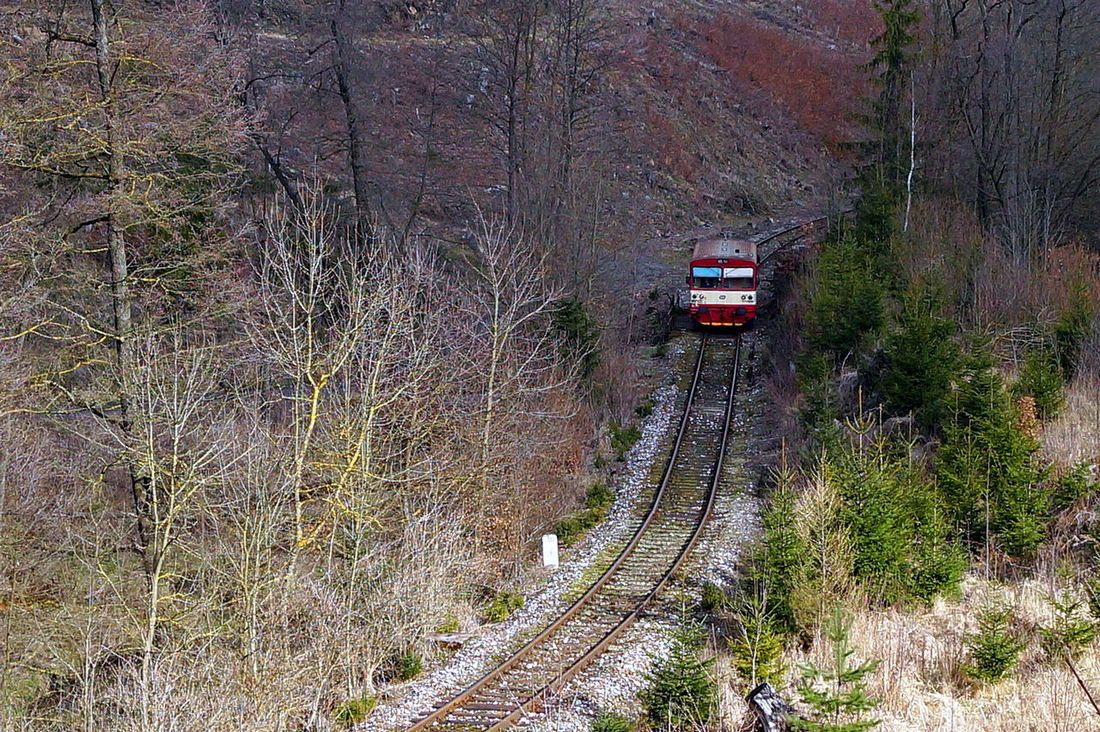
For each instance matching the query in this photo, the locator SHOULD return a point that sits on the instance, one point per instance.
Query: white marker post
(550, 550)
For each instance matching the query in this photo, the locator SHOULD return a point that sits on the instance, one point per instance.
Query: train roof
(724, 249)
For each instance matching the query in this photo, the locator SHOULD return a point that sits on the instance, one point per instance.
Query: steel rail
(804, 226)
(524, 706)
(566, 675)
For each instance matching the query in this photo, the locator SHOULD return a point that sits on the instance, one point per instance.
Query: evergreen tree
(874, 514)
(995, 648)
(778, 560)
(757, 649)
(936, 563)
(846, 300)
(1074, 325)
(987, 469)
(837, 695)
(890, 66)
(921, 358)
(680, 693)
(1041, 379)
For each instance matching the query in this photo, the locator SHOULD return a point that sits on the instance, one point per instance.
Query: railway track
(681, 504)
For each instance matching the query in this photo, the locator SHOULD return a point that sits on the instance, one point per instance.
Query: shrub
(643, 410)
(611, 722)
(354, 711)
(1073, 486)
(408, 666)
(995, 648)
(713, 597)
(921, 359)
(623, 438)
(679, 692)
(599, 496)
(836, 695)
(501, 607)
(450, 624)
(1073, 327)
(597, 503)
(1041, 379)
(1070, 633)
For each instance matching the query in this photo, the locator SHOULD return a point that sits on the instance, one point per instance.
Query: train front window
(707, 278)
(738, 278)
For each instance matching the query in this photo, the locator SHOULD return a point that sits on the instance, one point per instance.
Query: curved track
(681, 504)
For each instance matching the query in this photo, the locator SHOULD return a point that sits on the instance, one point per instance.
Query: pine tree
(921, 358)
(874, 513)
(680, 693)
(987, 468)
(779, 558)
(995, 648)
(890, 64)
(757, 649)
(1041, 379)
(837, 695)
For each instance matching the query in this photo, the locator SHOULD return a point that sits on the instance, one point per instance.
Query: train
(722, 282)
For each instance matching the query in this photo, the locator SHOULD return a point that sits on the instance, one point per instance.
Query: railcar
(722, 282)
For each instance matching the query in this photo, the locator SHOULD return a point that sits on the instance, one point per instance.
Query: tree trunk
(342, 68)
(122, 310)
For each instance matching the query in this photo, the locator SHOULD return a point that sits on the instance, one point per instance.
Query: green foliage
(1041, 379)
(921, 358)
(611, 722)
(597, 503)
(875, 515)
(995, 648)
(890, 65)
(837, 695)
(1074, 325)
(450, 624)
(1071, 632)
(876, 211)
(1076, 484)
(845, 305)
(679, 692)
(778, 560)
(579, 335)
(936, 563)
(623, 438)
(644, 409)
(900, 540)
(819, 413)
(501, 607)
(757, 648)
(354, 711)
(714, 598)
(599, 497)
(987, 470)
(408, 665)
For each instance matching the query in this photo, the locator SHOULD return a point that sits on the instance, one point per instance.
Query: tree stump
(770, 709)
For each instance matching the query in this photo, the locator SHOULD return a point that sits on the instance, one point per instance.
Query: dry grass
(1074, 436)
(920, 681)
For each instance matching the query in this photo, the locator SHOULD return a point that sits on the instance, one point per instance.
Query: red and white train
(722, 282)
